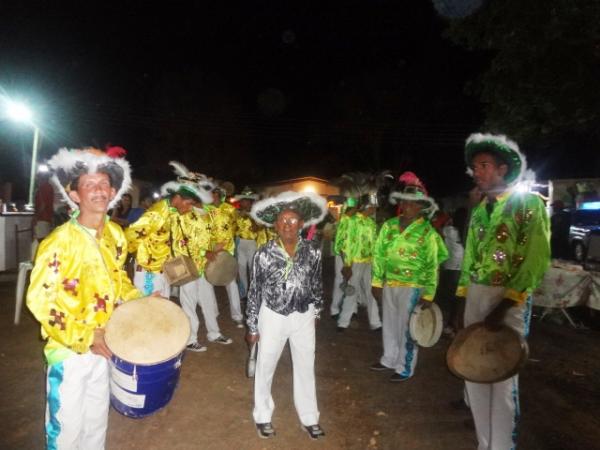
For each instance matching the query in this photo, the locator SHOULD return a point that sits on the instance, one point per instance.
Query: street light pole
(34, 150)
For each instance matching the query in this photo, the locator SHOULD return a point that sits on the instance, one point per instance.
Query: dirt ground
(360, 409)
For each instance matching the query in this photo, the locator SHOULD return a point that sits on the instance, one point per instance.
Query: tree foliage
(543, 79)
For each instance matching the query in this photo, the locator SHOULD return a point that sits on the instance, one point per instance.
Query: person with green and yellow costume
(507, 252)
(77, 281)
(349, 208)
(406, 260)
(356, 243)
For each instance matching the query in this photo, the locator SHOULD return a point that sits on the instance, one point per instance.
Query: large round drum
(147, 337)
(480, 355)
(222, 270)
(426, 325)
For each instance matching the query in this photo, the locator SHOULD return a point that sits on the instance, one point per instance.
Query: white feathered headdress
(67, 165)
(189, 183)
(311, 207)
(502, 146)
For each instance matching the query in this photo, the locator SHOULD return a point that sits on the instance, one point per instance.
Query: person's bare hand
(99, 346)
(347, 272)
(210, 256)
(377, 293)
(495, 319)
(424, 304)
(252, 338)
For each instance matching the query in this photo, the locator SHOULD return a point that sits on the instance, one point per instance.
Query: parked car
(585, 221)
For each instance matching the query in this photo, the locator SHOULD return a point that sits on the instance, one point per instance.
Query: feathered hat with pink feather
(411, 188)
(67, 165)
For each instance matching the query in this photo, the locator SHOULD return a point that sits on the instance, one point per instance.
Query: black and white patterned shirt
(285, 284)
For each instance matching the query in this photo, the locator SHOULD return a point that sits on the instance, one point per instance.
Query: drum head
(148, 330)
(222, 270)
(426, 325)
(483, 356)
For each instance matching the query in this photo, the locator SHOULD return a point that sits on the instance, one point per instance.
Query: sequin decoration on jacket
(155, 236)
(510, 247)
(75, 283)
(285, 284)
(409, 258)
(356, 239)
(223, 224)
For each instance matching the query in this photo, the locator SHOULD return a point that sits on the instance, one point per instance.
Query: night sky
(252, 93)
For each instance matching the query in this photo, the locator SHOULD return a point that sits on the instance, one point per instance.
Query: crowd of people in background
(391, 266)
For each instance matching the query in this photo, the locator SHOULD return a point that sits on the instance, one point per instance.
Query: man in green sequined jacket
(507, 252)
(357, 240)
(406, 260)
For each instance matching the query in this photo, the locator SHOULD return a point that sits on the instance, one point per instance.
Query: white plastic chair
(24, 268)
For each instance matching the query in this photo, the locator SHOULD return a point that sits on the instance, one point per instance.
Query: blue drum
(147, 337)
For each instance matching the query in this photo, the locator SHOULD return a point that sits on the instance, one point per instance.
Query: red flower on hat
(410, 179)
(115, 151)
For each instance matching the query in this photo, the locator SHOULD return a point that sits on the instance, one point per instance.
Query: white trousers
(234, 301)
(361, 280)
(495, 406)
(77, 400)
(337, 293)
(399, 350)
(150, 282)
(275, 330)
(245, 254)
(200, 292)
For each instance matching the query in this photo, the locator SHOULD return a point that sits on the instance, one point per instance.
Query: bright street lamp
(21, 113)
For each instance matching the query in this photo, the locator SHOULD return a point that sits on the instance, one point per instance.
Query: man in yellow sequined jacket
(157, 236)
(222, 219)
(77, 281)
(171, 228)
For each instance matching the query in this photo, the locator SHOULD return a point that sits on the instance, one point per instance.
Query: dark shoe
(314, 431)
(397, 378)
(340, 329)
(195, 347)
(376, 329)
(378, 367)
(460, 405)
(265, 430)
(222, 340)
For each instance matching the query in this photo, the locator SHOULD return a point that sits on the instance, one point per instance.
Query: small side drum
(480, 355)
(147, 337)
(222, 270)
(425, 325)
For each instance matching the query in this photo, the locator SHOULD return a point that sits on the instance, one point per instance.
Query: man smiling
(77, 280)
(284, 299)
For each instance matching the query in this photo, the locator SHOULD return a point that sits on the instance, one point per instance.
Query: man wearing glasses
(284, 300)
